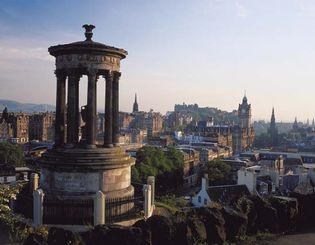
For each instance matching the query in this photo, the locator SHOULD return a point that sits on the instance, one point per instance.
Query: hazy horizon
(204, 51)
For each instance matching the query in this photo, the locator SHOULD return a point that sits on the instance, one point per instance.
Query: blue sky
(195, 51)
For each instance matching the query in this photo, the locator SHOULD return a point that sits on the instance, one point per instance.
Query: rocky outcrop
(208, 225)
(235, 224)
(214, 224)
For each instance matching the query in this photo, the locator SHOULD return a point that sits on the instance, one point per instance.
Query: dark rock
(246, 206)
(114, 234)
(235, 224)
(287, 210)
(198, 229)
(214, 223)
(58, 236)
(162, 230)
(146, 234)
(182, 234)
(267, 217)
(35, 239)
(306, 203)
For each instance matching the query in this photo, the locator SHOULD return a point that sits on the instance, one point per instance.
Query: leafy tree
(165, 165)
(219, 173)
(11, 154)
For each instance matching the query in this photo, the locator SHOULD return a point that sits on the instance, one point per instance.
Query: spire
(135, 105)
(273, 118)
(245, 98)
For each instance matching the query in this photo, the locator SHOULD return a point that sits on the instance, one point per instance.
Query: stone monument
(75, 170)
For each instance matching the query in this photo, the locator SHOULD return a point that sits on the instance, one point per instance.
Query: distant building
(41, 126)
(223, 194)
(135, 107)
(243, 132)
(20, 126)
(273, 131)
(207, 132)
(6, 131)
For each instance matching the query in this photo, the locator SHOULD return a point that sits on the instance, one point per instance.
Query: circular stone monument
(76, 168)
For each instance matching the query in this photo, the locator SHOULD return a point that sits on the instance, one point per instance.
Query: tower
(273, 131)
(243, 132)
(244, 113)
(135, 107)
(76, 169)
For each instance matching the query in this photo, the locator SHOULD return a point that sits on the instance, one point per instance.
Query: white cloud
(241, 10)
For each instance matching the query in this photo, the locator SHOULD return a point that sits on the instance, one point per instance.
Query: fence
(24, 205)
(68, 212)
(119, 209)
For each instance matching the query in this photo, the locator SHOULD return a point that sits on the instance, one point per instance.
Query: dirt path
(304, 238)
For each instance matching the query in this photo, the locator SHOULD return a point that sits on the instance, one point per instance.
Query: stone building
(207, 132)
(125, 120)
(154, 123)
(41, 126)
(6, 131)
(243, 132)
(20, 127)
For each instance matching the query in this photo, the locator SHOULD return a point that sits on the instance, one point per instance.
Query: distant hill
(14, 106)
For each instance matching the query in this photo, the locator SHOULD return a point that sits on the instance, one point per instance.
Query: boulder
(35, 239)
(198, 230)
(146, 234)
(114, 234)
(267, 217)
(161, 229)
(214, 223)
(287, 210)
(306, 204)
(182, 234)
(58, 236)
(235, 224)
(246, 206)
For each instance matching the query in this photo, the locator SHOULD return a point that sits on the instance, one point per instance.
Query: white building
(222, 194)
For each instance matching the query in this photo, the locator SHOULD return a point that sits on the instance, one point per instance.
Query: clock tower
(245, 113)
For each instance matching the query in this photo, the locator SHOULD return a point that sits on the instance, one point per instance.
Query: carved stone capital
(117, 76)
(109, 75)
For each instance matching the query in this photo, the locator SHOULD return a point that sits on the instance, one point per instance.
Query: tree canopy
(165, 165)
(219, 173)
(11, 154)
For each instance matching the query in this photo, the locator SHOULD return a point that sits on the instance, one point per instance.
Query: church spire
(135, 105)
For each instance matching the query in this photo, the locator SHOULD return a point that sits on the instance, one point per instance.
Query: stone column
(91, 110)
(108, 135)
(73, 109)
(77, 117)
(34, 182)
(99, 208)
(38, 199)
(60, 109)
(151, 182)
(147, 206)
(116, 108)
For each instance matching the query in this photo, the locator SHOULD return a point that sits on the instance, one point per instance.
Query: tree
(11, 154)
(219, 173)
(165, 165)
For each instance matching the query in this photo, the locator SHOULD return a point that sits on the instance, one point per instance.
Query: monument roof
(87, 46)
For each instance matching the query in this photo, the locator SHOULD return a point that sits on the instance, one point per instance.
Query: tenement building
(243, 132)
(41, 126)
(20, 127)
(77, 168)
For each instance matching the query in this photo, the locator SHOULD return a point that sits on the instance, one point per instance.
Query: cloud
(241, 10)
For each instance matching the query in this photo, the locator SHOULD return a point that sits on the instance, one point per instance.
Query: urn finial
(88, 31)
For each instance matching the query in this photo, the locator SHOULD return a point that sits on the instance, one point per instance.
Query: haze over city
(206, 52)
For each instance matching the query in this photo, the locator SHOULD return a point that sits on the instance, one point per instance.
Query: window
(205, 201)
(199, 198)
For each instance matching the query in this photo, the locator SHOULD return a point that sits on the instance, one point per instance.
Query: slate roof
(227, 193)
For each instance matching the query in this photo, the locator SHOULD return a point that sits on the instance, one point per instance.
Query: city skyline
(204, 52)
